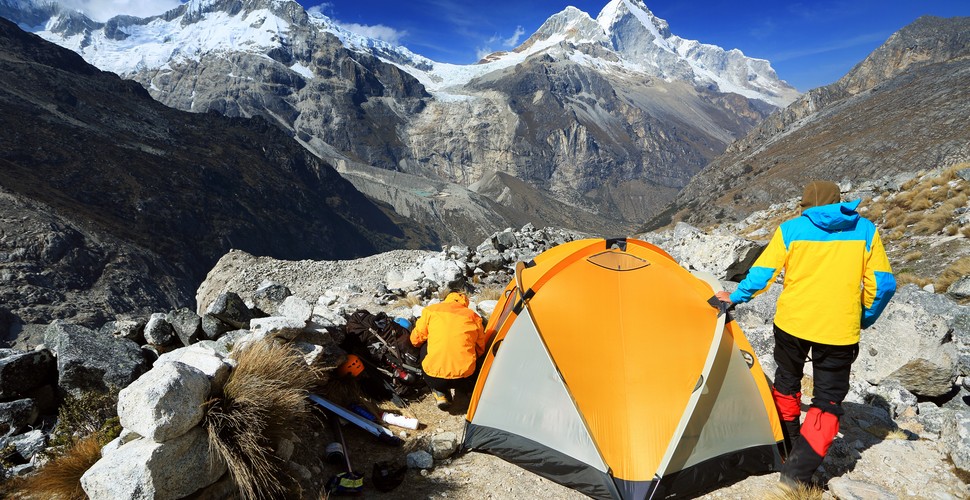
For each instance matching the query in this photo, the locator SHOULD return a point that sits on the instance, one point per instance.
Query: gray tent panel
(544, 413)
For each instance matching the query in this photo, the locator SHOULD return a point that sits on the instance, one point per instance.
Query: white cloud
(864, 39)
(513, 40)
(317, 10)
(481, 53)
(102, 10)
(378, 31)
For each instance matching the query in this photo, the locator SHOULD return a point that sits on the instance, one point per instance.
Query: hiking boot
(442, 400)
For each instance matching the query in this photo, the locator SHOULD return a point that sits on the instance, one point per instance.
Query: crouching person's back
(452, 339)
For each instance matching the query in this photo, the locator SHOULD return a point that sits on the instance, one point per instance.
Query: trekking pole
(348, 483)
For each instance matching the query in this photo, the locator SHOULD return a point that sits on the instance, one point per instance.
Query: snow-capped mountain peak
(643, 43)
(643, 39)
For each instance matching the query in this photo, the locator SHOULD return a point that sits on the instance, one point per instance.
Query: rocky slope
(905, 432)
(896, 112)
(610, 115)
(114, 202)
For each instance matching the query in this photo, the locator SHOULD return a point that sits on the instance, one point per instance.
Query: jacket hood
(457, 297)
(834, 217)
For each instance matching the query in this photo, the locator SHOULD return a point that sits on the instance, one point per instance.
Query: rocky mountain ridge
(114, 202)
(585, 122)
(895, 113)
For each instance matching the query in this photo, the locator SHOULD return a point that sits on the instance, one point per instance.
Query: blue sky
(809, 44)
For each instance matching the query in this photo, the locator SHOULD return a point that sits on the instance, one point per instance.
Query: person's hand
(723, 296)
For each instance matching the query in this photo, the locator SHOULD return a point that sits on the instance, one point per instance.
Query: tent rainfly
(614, 371)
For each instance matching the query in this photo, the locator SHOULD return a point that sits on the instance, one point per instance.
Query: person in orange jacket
(452, 339)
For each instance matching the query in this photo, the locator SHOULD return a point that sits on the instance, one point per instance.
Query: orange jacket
(455, 338)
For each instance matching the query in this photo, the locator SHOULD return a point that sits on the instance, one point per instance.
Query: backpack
(384, 339)
(386, 347)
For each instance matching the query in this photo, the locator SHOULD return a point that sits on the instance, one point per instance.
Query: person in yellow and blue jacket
(452, 339)
(837, 281)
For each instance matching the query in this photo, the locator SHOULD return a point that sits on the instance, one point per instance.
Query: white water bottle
(399, 420)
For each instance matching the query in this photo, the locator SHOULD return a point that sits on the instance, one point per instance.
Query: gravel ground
(906, 468)
(904, 465)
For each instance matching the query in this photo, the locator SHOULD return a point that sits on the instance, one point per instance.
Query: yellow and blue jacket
(837, 276)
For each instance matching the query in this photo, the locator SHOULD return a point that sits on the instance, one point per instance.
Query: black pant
(465, 384)
(830, 365)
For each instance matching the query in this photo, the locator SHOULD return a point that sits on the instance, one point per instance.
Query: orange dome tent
(612, 371)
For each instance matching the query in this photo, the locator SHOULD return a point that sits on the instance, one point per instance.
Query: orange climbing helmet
(353, 366)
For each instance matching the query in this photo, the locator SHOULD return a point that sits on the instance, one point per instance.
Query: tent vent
(617, 261)
(618, 243)
(748, 358)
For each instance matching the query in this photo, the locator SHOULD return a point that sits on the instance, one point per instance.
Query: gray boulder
(892, 397)
(445, 273)
(269, 297)
(296, 308)
(419, 460)
(443, 445)
(213, 327)
(90, 361)
(956, 437)
(231, 309)
(844, 488)
(21, 372)
(16, 416)
(909, 330)
(131, 329)
(165, 402)
(145, 469)
(490, 262)
(158, 331)
(278, 326)
(207, 357)
(504, 239)
(960, 289)
(933, 374)
(29, 444)
(186, 324)
(722, 254)
(932, 418)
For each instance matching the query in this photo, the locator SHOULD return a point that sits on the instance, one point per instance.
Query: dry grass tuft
(887, 433)
(922, 201)
(264, 401)
(911, 256)
(60, 478)
(905, 278)
(954, 202)
(800, 492)
(489, 293)
(407, 301)
(85, 423)
(954, 272)
(904, 199)
(893, 217)
(931, 223)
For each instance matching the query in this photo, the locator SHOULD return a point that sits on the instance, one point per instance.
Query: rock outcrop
(95, 226)
(892, 114)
